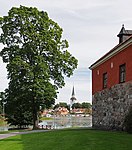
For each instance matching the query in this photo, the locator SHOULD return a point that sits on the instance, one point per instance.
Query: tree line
(75, 105)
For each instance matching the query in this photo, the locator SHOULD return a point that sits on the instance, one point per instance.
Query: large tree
(37, 59)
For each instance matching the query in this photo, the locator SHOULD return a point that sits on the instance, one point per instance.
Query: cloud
(90, 26)
(81, 80)
(3, 76)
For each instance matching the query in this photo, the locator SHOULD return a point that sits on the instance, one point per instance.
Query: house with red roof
(112, 84)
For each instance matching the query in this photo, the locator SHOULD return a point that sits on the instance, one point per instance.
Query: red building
(112, 84)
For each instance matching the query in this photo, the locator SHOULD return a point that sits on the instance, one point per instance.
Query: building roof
(113, 51)
(124, 34)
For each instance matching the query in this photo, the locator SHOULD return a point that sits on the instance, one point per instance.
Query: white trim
(114, 52)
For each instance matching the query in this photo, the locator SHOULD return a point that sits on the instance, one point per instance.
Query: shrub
(128, 121)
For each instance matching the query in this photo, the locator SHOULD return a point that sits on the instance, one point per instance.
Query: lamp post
(3, 110)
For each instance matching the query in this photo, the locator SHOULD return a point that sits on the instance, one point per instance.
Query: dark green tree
(128, 121)
(1, 102)
(37, 60)
(62, 104)
(76, 105)
(86, 105)
(56, 106)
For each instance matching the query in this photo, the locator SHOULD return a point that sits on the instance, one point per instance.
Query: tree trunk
(35, 121)
(35, 116)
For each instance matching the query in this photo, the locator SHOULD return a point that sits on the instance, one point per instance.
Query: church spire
(73, 92)
(73, 98)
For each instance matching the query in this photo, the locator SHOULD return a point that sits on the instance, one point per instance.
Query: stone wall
(111, 105)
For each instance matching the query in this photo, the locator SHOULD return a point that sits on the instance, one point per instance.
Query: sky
(91, 28)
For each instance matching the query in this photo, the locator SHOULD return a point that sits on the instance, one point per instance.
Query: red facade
(112, 85)
(111, 66)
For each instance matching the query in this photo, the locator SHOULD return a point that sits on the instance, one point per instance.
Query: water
(3, 128)
(67, 122)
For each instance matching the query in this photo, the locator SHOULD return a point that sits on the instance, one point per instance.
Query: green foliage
(82, 105)
(0, 107)
(86, 105)
(76, 105)
(2, 100)
(62, 104)
(128, 121)
(37, 60)
(21, 119)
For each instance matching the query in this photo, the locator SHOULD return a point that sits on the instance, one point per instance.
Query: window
(97, 72)
(105, 80)
(122, 73)
(111, 65)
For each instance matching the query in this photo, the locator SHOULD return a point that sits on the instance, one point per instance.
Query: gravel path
(6, 135)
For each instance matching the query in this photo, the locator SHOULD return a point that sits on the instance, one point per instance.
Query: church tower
(73, 98)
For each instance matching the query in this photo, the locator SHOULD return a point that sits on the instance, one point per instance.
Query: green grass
(1, 122)
(76, 139)
(46, 118)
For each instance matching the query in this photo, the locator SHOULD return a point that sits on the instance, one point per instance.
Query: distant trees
(37, 60)
(76, 105)
(86, 105)
(62, 104)
(83, 105)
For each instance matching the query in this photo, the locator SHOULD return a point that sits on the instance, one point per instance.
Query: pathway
(6, 135)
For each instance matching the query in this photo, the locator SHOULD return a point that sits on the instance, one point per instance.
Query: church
(112, 84)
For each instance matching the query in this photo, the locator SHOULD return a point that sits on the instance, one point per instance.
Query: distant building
(73, 98)
(112, 84)
(47, 112)
(83, 111)
(61, 111)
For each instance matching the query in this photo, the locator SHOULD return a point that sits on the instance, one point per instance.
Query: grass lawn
(76, 139)
(1, 122)
(46, 118)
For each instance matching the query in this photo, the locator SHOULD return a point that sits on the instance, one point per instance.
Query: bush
(128, 121)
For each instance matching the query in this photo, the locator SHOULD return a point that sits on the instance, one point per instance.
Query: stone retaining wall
(111, 105)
